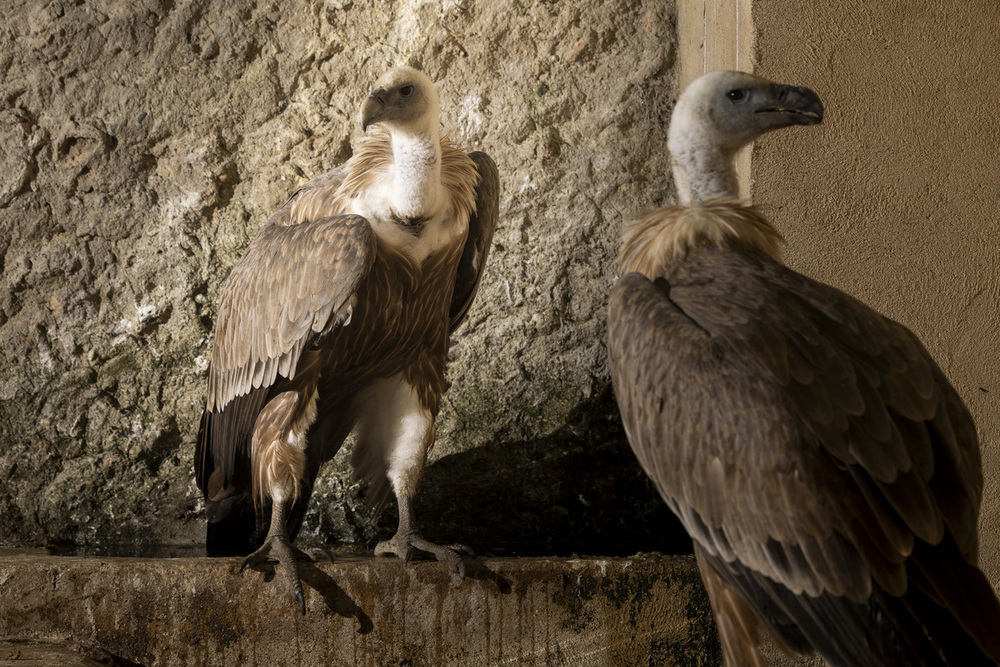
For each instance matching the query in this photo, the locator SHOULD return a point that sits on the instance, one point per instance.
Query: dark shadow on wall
(579, 491)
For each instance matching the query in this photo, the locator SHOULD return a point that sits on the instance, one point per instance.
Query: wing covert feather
(482, 225)
(293, 283)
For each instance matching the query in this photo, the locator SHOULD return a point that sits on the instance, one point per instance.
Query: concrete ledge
(644, 610)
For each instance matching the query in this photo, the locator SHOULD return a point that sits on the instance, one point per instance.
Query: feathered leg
(396, 432)
(279, 465)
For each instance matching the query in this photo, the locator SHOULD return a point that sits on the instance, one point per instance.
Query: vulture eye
(737, 95)
(406, 91)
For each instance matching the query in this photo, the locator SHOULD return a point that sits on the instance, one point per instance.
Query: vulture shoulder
(482, 225)
(734, 369)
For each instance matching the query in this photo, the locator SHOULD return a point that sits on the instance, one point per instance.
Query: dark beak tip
(810, 107)
(371, 111)
(808, 119)
(817, 113)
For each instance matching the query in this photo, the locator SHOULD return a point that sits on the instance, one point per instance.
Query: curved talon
(313, 554)
(288, 556)
(405, 546)
(462, 548)
(459, 568)
(455, 552)
(301, 600)
(257, 557)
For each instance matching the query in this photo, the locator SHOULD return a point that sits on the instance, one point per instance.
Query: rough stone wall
(142, 145)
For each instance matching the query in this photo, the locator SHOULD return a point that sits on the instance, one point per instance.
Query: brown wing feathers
(827, 471)
(285, 288)
(482, 225)
(867, 450)
(258, 338)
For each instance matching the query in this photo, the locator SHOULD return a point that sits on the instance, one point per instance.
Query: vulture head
(402, 100)
(721, 112)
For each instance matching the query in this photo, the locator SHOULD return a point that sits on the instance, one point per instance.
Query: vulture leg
(398, 434)
(279, 468)
(276, 544)
(408, 538)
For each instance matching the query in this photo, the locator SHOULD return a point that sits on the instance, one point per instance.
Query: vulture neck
(709, 215)
(416, 186)
(702, 169)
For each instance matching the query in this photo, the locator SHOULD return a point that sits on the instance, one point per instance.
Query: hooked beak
(372, 108)
(798, 105)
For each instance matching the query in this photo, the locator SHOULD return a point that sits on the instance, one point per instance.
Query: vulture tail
(884, 631)
(952, 603)
(232, 524)
(223, 475)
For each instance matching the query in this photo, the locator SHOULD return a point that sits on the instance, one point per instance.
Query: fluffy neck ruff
(416, 179)
(656, 240)
(422, 173)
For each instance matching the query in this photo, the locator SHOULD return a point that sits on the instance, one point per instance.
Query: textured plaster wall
(893, 198)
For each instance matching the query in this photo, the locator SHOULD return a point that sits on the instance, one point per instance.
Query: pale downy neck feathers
(702, 171)
(377, 168)
(395, 175)
(416, 179)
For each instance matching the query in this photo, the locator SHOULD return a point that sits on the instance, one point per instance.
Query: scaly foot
(403, 545)
(289, 557)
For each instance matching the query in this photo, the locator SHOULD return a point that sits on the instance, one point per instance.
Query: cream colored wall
(894, 197)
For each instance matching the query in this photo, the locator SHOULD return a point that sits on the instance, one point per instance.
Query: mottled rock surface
(142, 145)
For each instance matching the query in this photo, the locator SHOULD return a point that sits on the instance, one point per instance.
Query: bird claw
(289, 557)
(301, 600)
(311, 554)
(257, 557)
(405, 546)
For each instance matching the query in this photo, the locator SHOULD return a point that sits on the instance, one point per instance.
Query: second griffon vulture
(338, 317)
(825, 468)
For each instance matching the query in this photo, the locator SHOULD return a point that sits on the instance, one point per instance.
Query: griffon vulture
(826, 470)
(338, 317)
